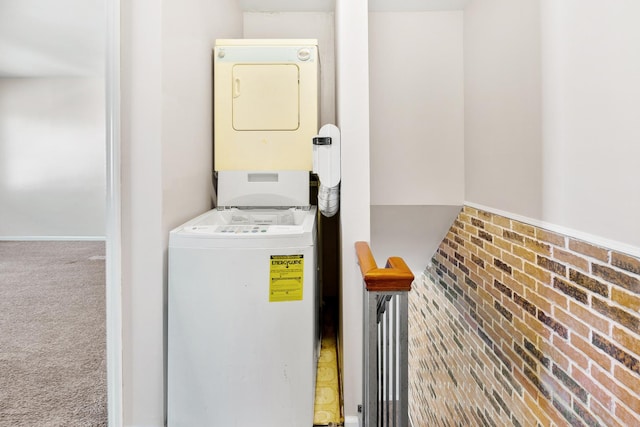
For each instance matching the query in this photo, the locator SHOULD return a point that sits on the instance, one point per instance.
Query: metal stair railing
(385, 341)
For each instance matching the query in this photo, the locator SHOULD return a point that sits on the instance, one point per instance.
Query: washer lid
(263, 188)
(250, 223)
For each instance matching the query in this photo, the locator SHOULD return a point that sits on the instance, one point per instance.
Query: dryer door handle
(236, 87)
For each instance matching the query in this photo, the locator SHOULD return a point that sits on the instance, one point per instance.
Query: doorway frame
(113, 217)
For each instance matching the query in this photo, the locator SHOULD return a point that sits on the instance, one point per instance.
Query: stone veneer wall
(516, 325)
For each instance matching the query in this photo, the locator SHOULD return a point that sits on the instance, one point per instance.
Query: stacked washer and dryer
(243, 297)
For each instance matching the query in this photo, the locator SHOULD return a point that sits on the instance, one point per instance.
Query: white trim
(113, 218)
(351, 421)
(69, 238)
(576, 234)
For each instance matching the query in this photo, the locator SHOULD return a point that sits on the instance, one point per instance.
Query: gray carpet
(52, 334)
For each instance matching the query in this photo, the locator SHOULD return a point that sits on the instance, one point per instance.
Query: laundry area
(251, 335)
(450, 112)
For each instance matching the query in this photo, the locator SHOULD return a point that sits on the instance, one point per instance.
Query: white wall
(416, 91)
(502, 75)
(591, 111)
(416, 108)
(411, 232)
(189, 31)
(52, 157)
(309, 25)
(166, 167)
(551, 105)
(352, 103)
(141, 205)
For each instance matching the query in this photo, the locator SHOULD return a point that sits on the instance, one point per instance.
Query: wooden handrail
(395, 277)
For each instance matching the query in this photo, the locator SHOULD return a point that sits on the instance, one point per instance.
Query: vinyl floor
(328, 401)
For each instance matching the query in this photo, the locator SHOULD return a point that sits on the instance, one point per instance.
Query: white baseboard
(53, 238)
(576, 234)
(351, 421)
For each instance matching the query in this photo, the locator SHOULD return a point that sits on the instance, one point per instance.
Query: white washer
(243, 335)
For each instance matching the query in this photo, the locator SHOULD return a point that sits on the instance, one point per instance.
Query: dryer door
(265, 97)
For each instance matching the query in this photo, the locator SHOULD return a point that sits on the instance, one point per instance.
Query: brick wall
(516, 325)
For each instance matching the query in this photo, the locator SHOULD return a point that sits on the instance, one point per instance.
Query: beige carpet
(52, 334)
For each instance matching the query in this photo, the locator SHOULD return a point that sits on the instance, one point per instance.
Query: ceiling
(52, 38)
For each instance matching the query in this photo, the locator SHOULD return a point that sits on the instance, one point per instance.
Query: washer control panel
(242, 229)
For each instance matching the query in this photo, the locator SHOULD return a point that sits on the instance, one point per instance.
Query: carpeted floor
(52, 334)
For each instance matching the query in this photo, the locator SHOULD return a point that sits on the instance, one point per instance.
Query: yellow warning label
(286, 276)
